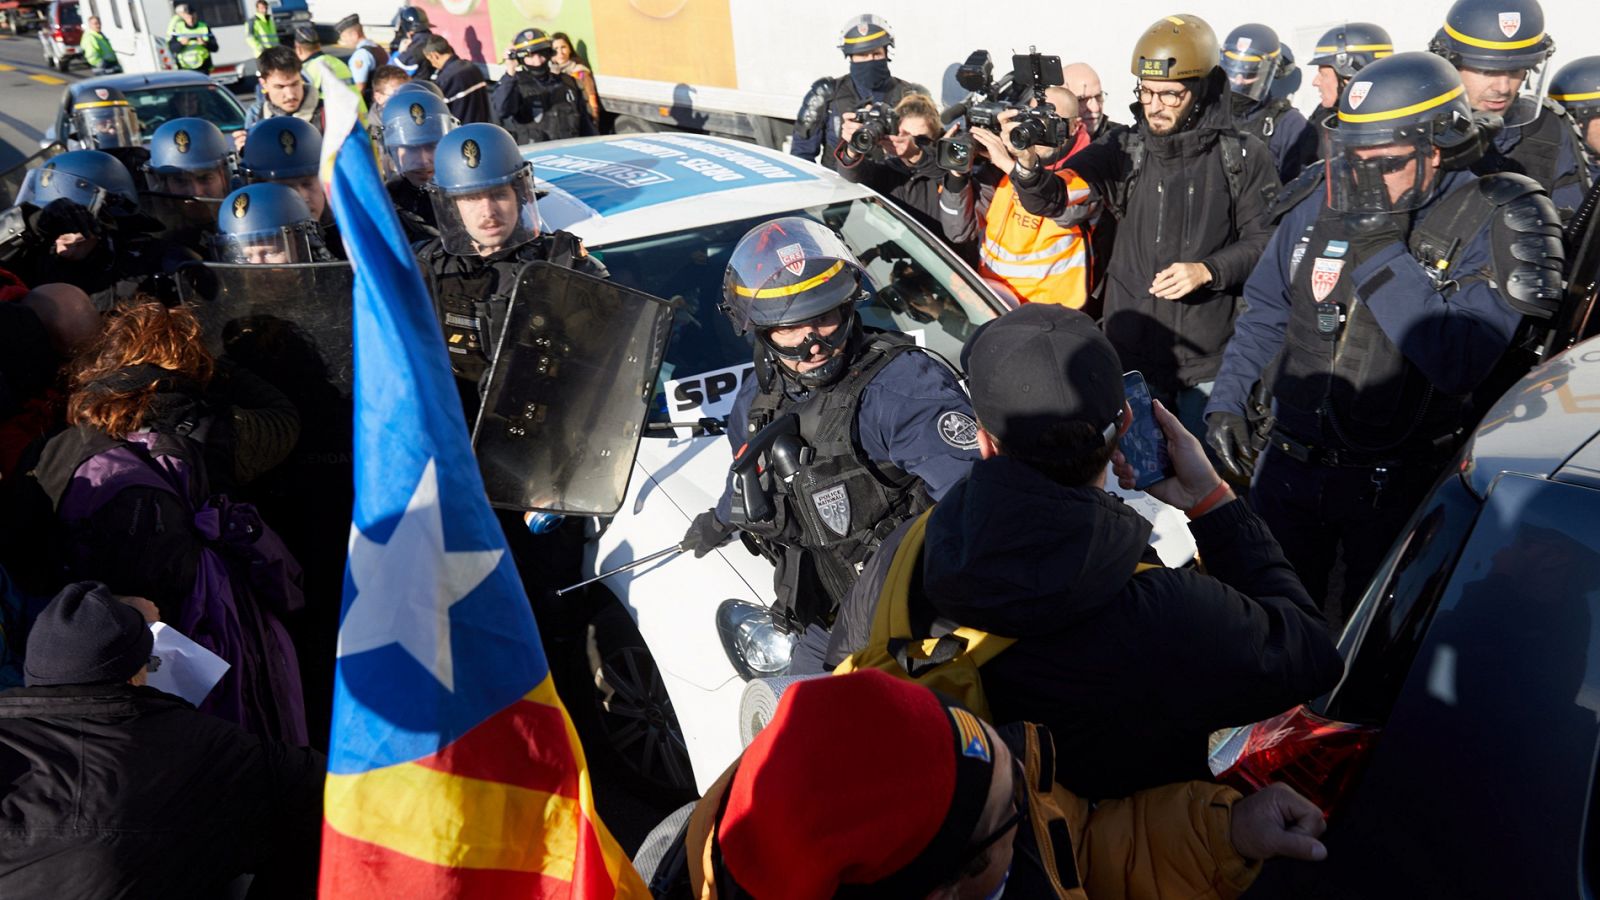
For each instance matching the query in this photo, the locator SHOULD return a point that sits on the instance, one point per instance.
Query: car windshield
(69, 15)
(158, 105)
(918, 288)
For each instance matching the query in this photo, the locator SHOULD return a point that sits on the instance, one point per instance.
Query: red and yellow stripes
(505, 810)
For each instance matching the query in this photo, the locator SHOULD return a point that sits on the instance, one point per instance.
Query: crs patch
(959, 430)
(793, 258)
(833, 505)
(1324, 275)
(1510, 22)
(1358, 92)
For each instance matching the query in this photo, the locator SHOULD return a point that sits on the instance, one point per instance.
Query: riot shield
(181, 218)
(284, 322)
(11, 180)
(568, 392)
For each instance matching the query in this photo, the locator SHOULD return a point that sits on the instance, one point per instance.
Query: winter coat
(1130, 673)
(112, 791)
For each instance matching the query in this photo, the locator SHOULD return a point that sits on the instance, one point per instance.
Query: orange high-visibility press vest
(1041, 261)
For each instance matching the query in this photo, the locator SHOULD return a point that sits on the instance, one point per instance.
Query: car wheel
(632, 708)
(64, 63)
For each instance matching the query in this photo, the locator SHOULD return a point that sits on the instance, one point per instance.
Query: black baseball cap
(347, 23)
(306, 33)
(1040, 366)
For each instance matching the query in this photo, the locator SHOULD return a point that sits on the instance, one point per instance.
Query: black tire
(63, 64)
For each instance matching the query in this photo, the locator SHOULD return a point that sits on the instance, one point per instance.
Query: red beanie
(857, 778)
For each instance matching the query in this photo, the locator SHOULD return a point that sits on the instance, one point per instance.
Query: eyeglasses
(1019, 813)
(1169, 99)
(1099, 98)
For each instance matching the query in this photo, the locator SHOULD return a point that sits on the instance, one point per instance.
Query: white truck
(138, 32)
(740, 67)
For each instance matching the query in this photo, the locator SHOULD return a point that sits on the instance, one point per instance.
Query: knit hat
(86, 636)
(863, 785)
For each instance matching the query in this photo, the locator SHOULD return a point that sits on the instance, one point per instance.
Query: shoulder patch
(959, 430)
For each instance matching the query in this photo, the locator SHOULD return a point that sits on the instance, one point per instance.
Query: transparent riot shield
(567, 395)
(283, 322)
(181, 217)
(11, 180)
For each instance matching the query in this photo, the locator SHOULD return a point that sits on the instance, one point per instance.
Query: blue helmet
(1351, 47)
(1576, 86)
(281, 147)
(92, 179)
(1500, 36)
(265, 224)
(426, 87)
(412, 124)
(470, 165)
(1251, 56)
(191, 157)
(103, 118)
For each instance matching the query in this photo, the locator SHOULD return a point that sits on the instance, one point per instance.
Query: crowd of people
(1320, 306)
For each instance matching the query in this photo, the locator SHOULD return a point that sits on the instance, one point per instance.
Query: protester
(921, 799)
(566, 62)
(164, 800)
(285, 91)
(1130, 670)
(465, 89)
(159, 433)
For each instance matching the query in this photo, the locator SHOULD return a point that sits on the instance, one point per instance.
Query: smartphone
(1144, 444)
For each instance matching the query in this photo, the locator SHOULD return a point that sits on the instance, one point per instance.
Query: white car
(663, 212)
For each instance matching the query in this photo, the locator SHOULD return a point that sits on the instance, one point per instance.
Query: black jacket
(1131, 673)
(120, 791)
(466, 91)
(1179, 208)
(914, 189)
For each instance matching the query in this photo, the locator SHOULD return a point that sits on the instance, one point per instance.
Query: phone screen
(1143, 444)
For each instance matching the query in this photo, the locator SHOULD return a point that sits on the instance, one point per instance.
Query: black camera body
(1039, 125)
(878, 121)
(1030, 74)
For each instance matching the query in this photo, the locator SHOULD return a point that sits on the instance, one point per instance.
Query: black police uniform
(415, 209)
(542, 105)
(465, 90)
(1547, 150)
(126, 261)
(818, 125)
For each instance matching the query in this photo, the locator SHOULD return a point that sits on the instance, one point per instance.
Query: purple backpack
(245, 578)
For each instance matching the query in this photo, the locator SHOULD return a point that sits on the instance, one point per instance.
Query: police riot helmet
(864, 34)
(1250, 58)
(281, 147)
(103, 118)
(790, 271)
(410, 129)
(1390, 119)
(1500, 36)
(482, 191)
(191, 157)
(528, 42)
(1350, 47)
(411, 19)
(264, 224)
(425, 86)
(93, 179)
(1576, 86)
(1176, 48)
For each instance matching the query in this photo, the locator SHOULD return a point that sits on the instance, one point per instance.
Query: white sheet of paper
(187, 669)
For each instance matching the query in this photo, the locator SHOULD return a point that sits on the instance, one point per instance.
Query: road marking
(4, 67)
(48, 79)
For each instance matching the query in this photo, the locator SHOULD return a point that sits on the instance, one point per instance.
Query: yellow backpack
(947, 664)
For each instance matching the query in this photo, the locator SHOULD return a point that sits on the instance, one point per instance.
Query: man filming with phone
(1130, 665)
(1039, 259)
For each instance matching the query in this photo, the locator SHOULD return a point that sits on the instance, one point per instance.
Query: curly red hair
(143, 333)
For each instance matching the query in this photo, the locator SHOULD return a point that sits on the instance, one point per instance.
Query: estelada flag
(454, 771)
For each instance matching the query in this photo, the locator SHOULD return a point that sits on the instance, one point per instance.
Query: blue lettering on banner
(634, 173)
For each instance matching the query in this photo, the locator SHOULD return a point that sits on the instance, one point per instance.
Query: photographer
(901, 163)
(1041, 260)
(535, 103)
(865, 41)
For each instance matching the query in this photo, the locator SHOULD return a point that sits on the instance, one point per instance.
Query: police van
(663, 212)
(137, 30)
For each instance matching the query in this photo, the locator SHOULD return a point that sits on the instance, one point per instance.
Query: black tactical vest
(1340, 382)
(1538, 152)
(840, 505)
(547, 108)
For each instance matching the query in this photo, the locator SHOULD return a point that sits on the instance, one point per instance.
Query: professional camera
(1039, 125)
(1030, 74)
(878, 121)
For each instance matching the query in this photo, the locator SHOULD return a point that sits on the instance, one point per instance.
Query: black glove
(705, 534)
(62, 216)
(1228, 435)
(1371, 232)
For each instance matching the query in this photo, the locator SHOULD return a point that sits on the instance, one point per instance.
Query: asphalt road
(32, 94)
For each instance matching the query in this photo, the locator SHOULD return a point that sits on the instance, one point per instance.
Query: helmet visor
(1514, 94)
(414, 161)
(1249, 74)
(1365, 176)
(213, 182)
(283, 246)
(486, 220)
(103, 127)
(43, 186)
(787, 271)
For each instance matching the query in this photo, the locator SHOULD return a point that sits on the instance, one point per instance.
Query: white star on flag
(404, 589)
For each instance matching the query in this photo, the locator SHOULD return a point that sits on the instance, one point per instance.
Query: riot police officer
(1502, 51)
(880, 429)
(533, 102)
(865, 41)
(483, 201)
(102, 119)
(288, 151)
(77, 221)
(1254, 59)
(267, 224)
(1340, 53)
(192, 167)
(413, 123)
(1386, 301)
(411, 30)
(1576, 86)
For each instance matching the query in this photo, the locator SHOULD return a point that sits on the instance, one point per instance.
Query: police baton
(659, 554)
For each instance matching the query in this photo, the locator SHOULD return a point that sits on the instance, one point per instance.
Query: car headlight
(757, 643)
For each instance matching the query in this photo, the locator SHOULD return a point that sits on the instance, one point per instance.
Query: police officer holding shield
(267, 225)
(1502, 51)
(880, 429)
(482, 196)
(1381, 305)
(192, 167)
(288, 151)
